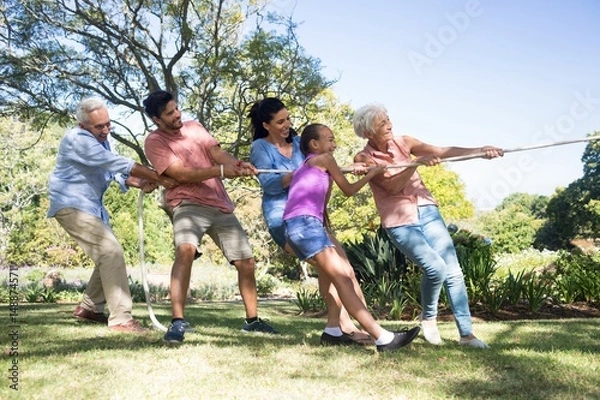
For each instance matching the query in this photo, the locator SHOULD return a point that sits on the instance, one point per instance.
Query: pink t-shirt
(400, 208)
(308, 192)
(191, 146)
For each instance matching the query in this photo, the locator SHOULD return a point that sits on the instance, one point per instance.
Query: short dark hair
(156, 102)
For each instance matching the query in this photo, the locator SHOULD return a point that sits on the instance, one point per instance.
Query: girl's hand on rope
(492, 152)
(360, 168)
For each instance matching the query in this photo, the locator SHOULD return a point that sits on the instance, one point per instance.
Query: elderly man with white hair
(85, 167)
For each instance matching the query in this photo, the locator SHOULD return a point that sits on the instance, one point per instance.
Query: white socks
(336, 331)
(385, 338)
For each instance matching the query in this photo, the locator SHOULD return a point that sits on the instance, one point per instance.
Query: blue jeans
(429, 245)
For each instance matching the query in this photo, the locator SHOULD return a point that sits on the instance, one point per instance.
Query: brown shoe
(89, 316)
(131, 326)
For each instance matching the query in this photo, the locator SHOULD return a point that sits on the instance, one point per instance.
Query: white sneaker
(479, 344)
(430, 330)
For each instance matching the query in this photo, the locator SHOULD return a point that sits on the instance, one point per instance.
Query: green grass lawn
(60, 358)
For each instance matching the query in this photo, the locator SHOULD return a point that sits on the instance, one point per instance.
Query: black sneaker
(260, 325)
(175, 333)
(330, 340)
(188, 327)
(401, 339)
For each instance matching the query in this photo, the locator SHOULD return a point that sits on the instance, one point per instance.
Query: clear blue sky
(468, 73)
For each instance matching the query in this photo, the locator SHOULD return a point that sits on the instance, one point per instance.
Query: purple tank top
(308, 191)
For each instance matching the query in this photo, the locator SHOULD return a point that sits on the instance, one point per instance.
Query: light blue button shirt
(265, 155)
(84, 169)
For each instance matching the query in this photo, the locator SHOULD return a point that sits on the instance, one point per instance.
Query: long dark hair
(262, 111)
(310, 132)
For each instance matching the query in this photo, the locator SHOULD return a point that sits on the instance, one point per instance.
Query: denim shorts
(306, 236)
(277, 232)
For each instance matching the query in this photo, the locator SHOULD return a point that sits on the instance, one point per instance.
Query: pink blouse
(400, 208)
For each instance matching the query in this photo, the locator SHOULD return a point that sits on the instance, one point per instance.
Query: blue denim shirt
(84, 169)
(265, 155)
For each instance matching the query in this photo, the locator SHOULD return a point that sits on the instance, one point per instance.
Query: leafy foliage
(53, 53)
(476, 257)
(380, 269)
(513, 225)
(574, 211)
(309, 300)
(577, 276)
(449, 192)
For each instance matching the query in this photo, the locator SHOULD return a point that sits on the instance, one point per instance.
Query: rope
(161, 327)
(155, 321)
(457, 158)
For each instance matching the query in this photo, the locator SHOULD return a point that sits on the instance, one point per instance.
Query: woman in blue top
(277, 146)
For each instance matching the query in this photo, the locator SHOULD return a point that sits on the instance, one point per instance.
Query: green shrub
(49, 295)
(158, 293)
(514, 287)
(309, 300)
(476, 258)
(535, 290)
(266, 284)
(33, 292)
(69, 296)
(380, 269)
(577, 276)
(4, 293)
(527, 260)
(495, 295)
(35, 275)
(138, 294)
(214, 292)
(411, 285)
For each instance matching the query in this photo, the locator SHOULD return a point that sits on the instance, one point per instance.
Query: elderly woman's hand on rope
(429, 160)
(492, 152)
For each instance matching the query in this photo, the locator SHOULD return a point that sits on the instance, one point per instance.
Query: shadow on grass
(535, 360)
(51, 330)
(528, 359)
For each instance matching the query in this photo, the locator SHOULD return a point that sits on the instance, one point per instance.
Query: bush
(309, 300)
(535, 290)
(380, 269)
(266, 284)
(577, 276)
(476, 258)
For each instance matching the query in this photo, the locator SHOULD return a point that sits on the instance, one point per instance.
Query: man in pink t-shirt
(186, 152)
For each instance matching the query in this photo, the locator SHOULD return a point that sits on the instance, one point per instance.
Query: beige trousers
(108, 283)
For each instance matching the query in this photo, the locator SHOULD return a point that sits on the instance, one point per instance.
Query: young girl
(304, 218)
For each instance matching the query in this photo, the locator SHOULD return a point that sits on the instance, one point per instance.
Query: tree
(514, 223)
(449, 192)
(54, 52)
(532, 204)
(574, 212)
(216, 56)
(25, 162)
